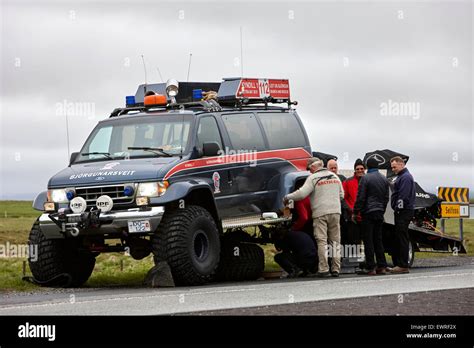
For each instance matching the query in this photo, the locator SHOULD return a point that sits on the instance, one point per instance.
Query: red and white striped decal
(296, 156)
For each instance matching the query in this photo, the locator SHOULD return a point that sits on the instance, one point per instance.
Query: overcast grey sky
(345, 61)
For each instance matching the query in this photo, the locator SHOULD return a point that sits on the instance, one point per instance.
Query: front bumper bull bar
(60, 225)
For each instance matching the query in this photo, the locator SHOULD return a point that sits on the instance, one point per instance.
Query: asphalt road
(146, 301)
(456, 302)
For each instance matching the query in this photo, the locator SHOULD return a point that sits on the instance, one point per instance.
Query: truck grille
(90, 194)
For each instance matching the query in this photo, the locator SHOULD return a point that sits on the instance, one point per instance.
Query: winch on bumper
(65, 223)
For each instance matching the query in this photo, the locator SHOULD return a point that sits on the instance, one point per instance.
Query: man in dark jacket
(403, 204)
(371, 202)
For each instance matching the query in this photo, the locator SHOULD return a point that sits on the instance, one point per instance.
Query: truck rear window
(282, 129)
(244, 132)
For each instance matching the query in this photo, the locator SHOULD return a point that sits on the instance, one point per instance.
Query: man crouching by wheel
(298, 256)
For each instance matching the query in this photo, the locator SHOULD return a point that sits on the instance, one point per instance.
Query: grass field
(116, 269)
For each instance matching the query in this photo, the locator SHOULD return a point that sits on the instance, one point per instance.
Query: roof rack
(185, 94)
(209, 105)
(235, 92)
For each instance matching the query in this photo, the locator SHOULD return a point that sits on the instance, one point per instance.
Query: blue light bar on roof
(197, 94)
(130, 100)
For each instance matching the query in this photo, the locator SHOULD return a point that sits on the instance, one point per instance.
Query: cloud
(343, 60)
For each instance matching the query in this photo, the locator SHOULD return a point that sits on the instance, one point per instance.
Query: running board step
(251, 220)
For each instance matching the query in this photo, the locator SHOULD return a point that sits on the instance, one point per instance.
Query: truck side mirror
(73, 157)
(211, 148)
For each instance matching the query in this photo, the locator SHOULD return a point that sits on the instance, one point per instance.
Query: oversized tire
(240, 261)
(188, 240)
(59, 257)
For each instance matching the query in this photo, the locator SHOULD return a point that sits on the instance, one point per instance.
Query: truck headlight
(152, 189)
(57, 196)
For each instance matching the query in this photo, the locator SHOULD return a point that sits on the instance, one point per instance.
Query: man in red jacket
(302, 210)
(304, 221)
(351, 186)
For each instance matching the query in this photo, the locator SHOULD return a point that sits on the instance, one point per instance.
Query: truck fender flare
(287, 184)
(39, 201)
(179, 190)
(184, 190)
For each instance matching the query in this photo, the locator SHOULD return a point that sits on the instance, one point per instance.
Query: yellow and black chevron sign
(454, 194)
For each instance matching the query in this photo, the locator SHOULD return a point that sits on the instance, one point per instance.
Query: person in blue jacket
(403, 205)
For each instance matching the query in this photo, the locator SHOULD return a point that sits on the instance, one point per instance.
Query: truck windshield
(132, 138)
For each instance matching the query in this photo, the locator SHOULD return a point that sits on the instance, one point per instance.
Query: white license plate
(139, 226)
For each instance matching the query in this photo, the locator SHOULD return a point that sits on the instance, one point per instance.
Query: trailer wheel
(188, 240)
(240, 261)
(411, 253)
(57, 257)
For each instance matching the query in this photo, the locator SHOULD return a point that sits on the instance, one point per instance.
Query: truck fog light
(49, 206)
(78, 205)
(104, 203)
(142, 201)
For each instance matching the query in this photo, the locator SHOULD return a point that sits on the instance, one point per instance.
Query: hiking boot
(295, 273)
(322, 274)
(399, 270)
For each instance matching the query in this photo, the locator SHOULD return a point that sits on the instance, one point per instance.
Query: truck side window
(282, 129)
(244, 132)
(208, 131)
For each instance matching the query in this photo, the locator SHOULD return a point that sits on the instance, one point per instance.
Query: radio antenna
(241, 55)
(144, 68)
(159, 73)
(189, 66)
(67, 137)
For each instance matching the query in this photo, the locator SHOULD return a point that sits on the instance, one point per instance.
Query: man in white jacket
(325, 191)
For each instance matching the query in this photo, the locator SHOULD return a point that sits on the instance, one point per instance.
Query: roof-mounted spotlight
(172, 88)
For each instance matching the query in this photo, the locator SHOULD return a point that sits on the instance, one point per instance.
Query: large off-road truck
(184, 171)
(194, 173)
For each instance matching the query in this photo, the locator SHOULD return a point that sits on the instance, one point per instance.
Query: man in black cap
(371, 202)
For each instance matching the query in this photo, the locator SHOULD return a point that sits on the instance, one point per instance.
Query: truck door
(246, 177)
(215, 172)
